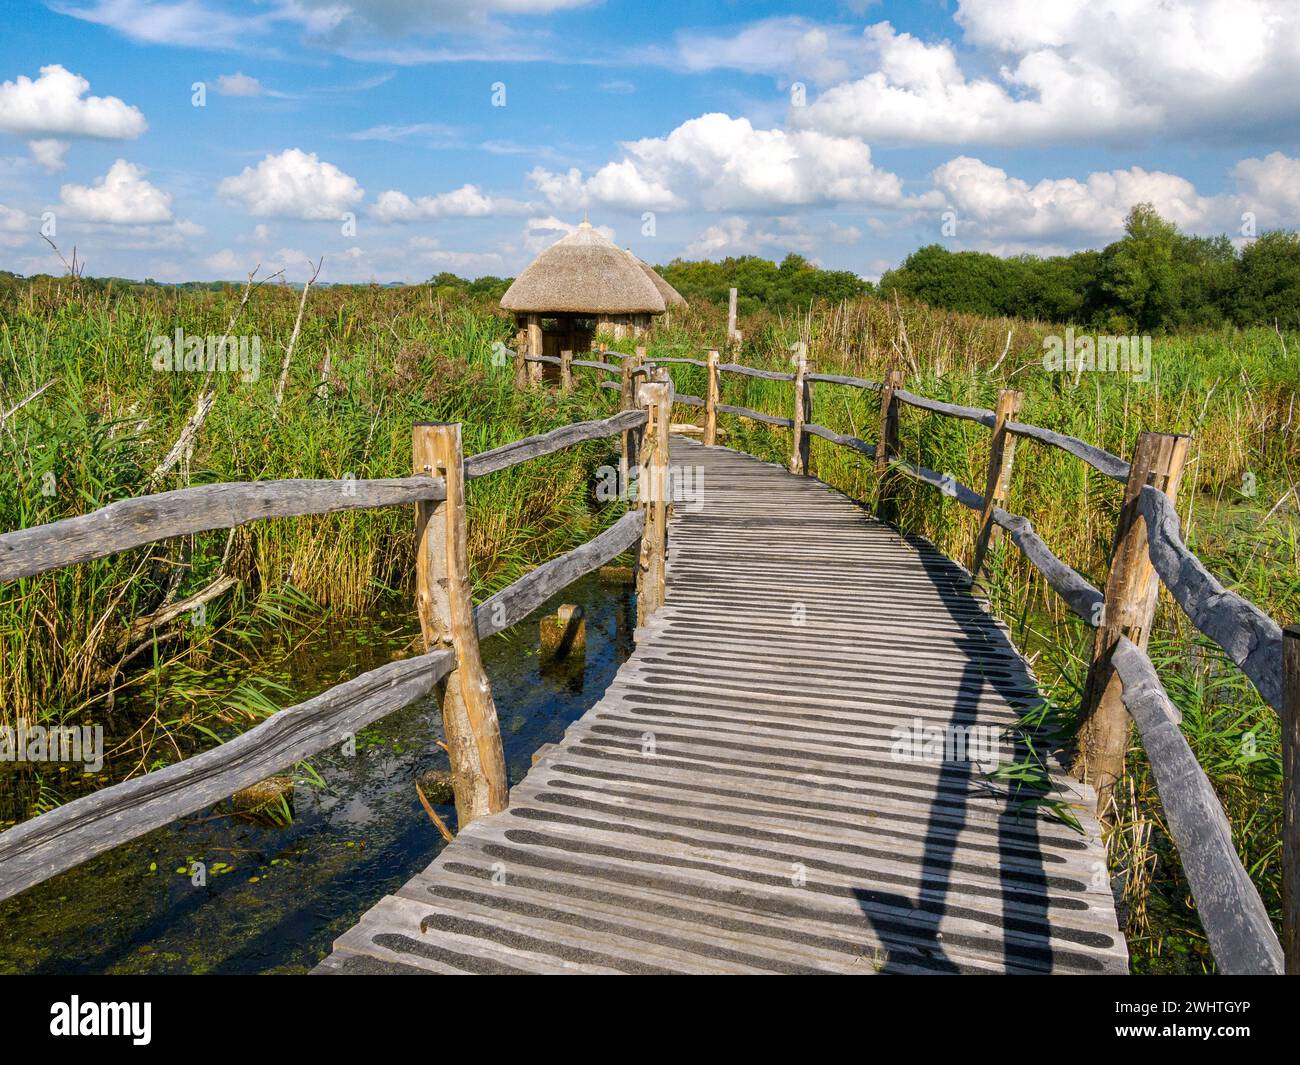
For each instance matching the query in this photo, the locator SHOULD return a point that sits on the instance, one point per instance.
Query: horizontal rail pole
(1068, 583)
(964, 494)
(531, 447)
(1232, 913)
(857, 443)
(689, 400)
(147, 519)
(1250, 637)
(951, 410)
(837, 379)
(617, 386)
(511, 605)
(1099, 459)
(687, 362)
(758, 416)
(749, 371)
(79, 830)
(554, 360)
(591, 364)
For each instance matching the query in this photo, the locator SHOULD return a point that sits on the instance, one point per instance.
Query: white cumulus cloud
(293, 184)
(468, 201)
(56, 105)
(1119, 69)
(717, 162)
(121, 197)
(238, 84)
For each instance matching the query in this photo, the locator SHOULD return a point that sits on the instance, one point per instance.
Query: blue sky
(368, 131)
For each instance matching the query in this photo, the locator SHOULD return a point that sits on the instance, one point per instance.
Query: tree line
(1153, 279)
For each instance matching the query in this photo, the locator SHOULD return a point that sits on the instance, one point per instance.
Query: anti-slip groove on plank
(751, 794)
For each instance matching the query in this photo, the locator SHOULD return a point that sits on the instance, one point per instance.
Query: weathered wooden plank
(511, 605)
(1231, 911)
(1084, 599)
(854, 442)
(750, 371)
(951, 410)
(144, 520)
(1099, 459)
(758, 416)
(531, 447)
(1250, 637)
(70, 834)
(852, 382)
(949, 486)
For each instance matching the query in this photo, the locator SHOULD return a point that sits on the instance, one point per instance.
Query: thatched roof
(583, 273)
(672, 298)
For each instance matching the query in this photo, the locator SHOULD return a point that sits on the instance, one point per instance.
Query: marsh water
(276, 897)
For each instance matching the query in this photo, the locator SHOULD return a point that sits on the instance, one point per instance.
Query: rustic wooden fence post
(802, 415)
(446, 609)
(566, 370)
(997, 482)
(711, 397)
(652, 495)
(1132, 588)
(1291, 798)
(887, 445)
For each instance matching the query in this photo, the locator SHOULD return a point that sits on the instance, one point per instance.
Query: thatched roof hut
(583, 273)
(582, 284)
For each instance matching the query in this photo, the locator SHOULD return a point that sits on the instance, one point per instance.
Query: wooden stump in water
(617, 575)
(564, 636)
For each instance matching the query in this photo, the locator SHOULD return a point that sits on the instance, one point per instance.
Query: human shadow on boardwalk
(910, 928)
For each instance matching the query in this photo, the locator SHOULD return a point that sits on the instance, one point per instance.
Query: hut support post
(628, 402)
(521, 349)
(711, 401)
(1131, 590)
(887, 446)
(1291, 798)
(997, 482)
(535, 348)
(802, 415)
(652, 493)
(446, 610)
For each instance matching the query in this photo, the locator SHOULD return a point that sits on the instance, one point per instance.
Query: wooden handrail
(531, 447)
(146, 519)
(1250, 637)
(1236, 923)
(70, 834)
(1099, 459)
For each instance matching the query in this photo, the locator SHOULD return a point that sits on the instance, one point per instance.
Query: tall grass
(394, 357)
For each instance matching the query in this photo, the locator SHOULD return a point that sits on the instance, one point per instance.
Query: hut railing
(450, 667)
(1123, 686)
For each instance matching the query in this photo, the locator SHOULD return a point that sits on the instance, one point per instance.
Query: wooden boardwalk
(743, 799)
